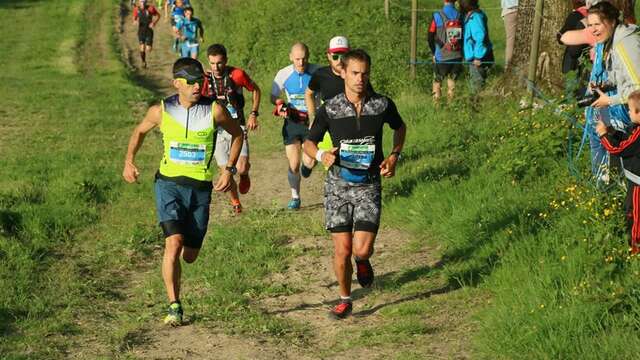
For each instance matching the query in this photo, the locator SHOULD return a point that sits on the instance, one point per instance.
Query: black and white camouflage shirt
(358, 138)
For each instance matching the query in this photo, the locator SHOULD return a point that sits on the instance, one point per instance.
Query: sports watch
(232, 169)
(254, 113)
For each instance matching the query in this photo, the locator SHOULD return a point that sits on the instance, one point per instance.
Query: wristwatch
(254, 113)
(396, 153)
(232, 169)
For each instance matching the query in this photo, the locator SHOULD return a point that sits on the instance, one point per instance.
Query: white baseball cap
(338, 44)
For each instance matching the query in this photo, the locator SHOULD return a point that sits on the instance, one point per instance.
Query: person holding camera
(614, 115)
(621, 53)
(627, 147)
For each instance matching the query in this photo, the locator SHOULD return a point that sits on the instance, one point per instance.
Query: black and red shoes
(342, 310)
(364, 273)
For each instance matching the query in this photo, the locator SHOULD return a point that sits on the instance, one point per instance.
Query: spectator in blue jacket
(478, 50)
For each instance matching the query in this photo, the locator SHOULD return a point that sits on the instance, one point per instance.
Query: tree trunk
(549, 70)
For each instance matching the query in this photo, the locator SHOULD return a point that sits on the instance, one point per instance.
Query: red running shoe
(364, 273)
(245, 184)
(341, 311)
(237, 207)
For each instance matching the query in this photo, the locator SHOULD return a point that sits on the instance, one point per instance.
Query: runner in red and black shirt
(146, 16)
(225, 84)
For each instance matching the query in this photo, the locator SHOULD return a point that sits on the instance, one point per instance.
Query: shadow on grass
(482, 254)
(389, 281)
(8, 319)
(449, 170)
(10, 223)
(18, 4)
(420, 296)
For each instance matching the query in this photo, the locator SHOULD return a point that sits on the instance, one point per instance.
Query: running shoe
(305, 171)
(245, 184)
(174, 315)
(342, 310)
(237, 207)
(294, 204)
(364, 273)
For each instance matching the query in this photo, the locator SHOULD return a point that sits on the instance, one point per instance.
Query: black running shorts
(443, 70)
(145, 37)
(294, 131)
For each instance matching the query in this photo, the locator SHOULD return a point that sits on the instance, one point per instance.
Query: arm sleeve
(241, 78)
(627, 54)
(278, 84)
(479, 34)
(200, 28)
(391, 115)
(320, 126)
(314, 82)
(431, 36)
(617, 144)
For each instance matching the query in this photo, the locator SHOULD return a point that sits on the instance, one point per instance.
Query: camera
(588, 99)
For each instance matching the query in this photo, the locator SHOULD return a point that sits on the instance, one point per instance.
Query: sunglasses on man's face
(192, 82)
(337, 56)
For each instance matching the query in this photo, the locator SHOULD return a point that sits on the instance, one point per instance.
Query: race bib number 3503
(357, 157)
(189, 154)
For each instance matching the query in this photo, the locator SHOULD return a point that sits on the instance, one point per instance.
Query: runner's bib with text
(357, 157)
(355, 161)
(232, 111)
(188, 154)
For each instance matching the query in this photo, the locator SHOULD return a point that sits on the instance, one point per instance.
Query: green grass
(491, 185)
(61, 123)
(540, 256)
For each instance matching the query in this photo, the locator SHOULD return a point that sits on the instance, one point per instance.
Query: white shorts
(223, 146)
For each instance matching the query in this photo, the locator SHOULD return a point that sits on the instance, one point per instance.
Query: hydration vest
(229, 94)
(188, 137)
(144, 17)
(449, 37)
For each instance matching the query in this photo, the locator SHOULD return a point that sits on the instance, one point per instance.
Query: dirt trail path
(311, 273)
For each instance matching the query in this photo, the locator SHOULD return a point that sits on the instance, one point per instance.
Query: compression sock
(294, 183)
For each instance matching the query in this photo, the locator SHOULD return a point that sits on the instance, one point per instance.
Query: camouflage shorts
(351, 207)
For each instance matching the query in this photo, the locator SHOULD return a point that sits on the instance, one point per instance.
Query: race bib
(188, 154)
(357, 157)
(232, 111)
(297, 100)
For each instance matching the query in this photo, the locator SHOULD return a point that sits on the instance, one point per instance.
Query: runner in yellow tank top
(183, 182)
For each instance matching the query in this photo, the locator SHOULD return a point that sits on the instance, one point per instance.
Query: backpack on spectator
(449, 37)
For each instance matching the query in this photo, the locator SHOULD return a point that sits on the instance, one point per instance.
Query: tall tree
(550, 52)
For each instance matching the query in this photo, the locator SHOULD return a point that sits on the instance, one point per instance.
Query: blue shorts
(188, 49)
(183, 210)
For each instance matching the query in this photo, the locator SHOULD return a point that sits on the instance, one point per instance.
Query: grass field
(541, 253)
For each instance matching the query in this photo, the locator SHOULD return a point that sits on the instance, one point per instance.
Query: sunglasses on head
(191, 82)
(337, 56)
